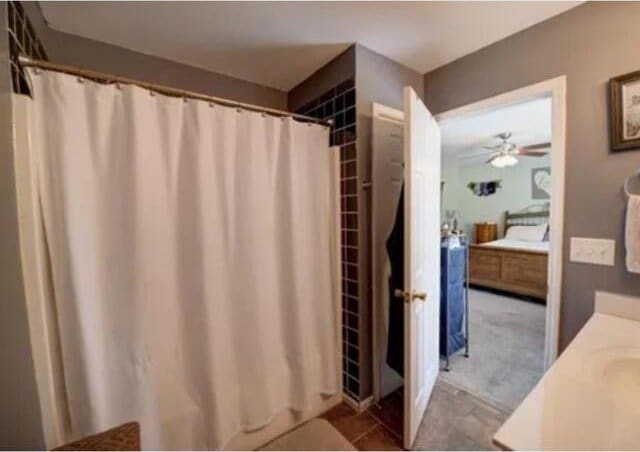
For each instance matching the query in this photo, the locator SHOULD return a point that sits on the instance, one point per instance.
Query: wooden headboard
(529, 216)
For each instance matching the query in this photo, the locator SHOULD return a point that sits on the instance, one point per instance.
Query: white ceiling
(529, 122)
(279, 44)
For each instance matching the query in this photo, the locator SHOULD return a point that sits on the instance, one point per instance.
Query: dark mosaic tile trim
(339, 105)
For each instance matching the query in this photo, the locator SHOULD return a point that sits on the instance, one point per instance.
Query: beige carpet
(506, 348)
(317, 434)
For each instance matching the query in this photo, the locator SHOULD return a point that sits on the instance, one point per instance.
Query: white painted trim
(556, 218)
(337, 258)
(358, 406)
(517, 96)
(556, 89)
(393, 115)
(387, 113)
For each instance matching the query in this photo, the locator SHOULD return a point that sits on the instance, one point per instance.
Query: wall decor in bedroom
(624, 106)
(541, 183)
(484, 188)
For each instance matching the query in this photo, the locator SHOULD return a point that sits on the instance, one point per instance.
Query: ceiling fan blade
(493, 146)
(533, 147)
(493, 157)
(476, 154)
(533, 153)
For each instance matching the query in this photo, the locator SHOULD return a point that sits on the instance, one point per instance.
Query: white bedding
(518, 245)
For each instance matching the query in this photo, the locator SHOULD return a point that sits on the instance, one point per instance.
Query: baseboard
(358, 406)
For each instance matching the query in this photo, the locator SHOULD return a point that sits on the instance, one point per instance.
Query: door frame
(554, 88)
(385, 113)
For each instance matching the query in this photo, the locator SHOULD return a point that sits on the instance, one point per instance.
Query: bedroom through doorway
(495, 207)
(501, 177)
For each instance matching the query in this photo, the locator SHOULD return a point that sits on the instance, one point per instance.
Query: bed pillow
(527, 233)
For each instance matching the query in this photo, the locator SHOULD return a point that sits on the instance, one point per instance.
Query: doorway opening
(496, 193)
(509, 314)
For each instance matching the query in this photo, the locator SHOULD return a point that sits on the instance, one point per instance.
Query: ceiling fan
(504, 153)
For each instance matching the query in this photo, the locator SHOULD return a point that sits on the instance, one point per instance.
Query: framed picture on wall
(541, 183)
(624, 104)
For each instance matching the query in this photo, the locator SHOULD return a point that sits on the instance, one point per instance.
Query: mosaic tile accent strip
(339, 105)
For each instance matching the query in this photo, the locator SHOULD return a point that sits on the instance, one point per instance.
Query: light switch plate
(593, 251)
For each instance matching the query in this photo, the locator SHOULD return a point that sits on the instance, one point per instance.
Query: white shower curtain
(191, 256)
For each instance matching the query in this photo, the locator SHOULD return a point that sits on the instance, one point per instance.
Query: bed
(514, 265)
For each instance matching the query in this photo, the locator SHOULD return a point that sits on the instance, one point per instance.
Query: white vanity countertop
(589, 399)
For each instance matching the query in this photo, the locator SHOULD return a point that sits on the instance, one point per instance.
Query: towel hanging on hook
(626, 184)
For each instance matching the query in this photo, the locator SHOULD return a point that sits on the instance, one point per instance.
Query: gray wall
(378, 79)
(77, 51)
(20, 417)
(338, 70)
(588, 44)
(20, 422)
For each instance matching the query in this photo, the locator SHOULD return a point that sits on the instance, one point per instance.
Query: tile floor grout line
(492, 404)
(368, 431)
(381, 422)
(390, 430)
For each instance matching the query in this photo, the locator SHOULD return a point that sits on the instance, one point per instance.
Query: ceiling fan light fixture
(499, 162)
(510, 160)
(504, 160)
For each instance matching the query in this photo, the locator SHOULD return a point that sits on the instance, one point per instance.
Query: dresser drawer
(486, 232)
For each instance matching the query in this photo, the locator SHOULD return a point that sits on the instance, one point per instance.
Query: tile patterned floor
(373, 429)
(455, 420)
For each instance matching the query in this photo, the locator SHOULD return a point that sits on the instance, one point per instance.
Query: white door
(421, 260)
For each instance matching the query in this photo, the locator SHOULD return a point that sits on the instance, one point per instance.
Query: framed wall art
(624, 105)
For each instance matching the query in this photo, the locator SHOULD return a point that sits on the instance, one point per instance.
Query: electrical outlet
(593, 251)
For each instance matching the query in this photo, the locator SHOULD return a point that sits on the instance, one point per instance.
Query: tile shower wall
(22, 41)
(339, 105)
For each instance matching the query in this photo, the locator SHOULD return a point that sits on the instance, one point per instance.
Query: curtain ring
(239, 110)
(152, 93)
(80, 80)
(211, 104)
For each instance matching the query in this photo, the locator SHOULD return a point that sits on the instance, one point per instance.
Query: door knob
(408, 297)
(419, 295)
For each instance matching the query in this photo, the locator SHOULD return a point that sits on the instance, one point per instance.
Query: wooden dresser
(486, 232)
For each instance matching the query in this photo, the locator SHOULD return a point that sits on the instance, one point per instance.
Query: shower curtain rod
(161, 89)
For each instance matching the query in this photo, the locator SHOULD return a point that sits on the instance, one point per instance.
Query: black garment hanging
(395, 251)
